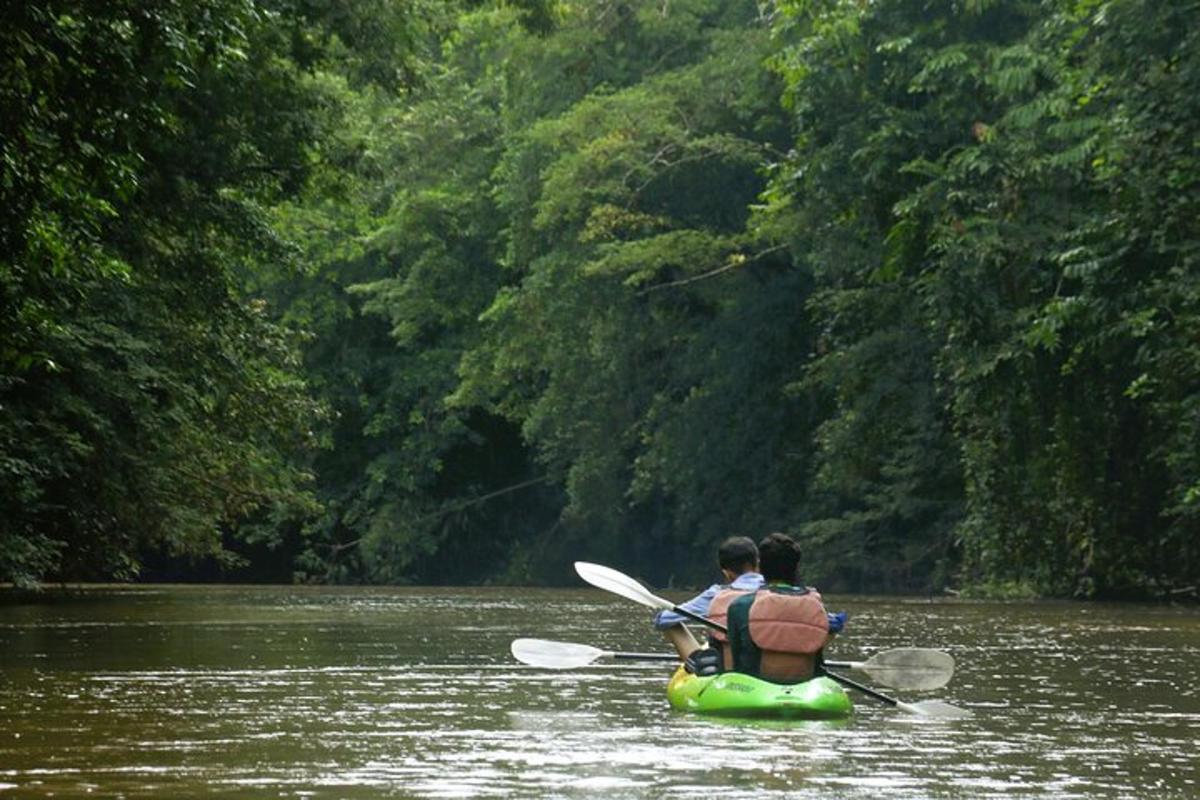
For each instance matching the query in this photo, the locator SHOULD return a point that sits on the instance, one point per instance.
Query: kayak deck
(733, 694)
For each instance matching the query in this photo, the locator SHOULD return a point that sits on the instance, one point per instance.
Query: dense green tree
(647, 333)
(1014, 172)
(885, 349)
(147, 403)
(410, 485)
(602, 143)
(462, 291)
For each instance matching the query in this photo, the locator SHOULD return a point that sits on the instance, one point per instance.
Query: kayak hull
(733, 694)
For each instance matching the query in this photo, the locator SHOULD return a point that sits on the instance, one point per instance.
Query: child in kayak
(737, 558)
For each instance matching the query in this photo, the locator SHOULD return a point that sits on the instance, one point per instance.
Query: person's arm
(837, 621)
(697, 605)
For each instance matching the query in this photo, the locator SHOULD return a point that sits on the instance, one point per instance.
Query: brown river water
(257, 692)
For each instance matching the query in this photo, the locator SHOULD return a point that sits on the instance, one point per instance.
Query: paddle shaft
(692, 615)
(853, 684)
(644, 656)
(669, 657)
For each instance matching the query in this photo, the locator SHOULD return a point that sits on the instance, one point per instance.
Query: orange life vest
(788, 623)
(789, 628)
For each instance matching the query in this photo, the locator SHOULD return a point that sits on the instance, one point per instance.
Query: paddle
(915, 668)
(903, 668)
(567, 655)
(610, 580)
(621, 584)
(925, 708)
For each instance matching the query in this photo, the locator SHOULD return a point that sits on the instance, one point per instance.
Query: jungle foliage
(462, 291)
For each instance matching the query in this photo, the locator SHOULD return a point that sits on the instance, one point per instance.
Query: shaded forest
(460, 291)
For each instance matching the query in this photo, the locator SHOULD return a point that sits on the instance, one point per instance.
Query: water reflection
(286, 692)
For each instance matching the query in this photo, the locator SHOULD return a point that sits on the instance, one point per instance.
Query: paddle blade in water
(936, 709)
(911, 668)
(619, 583)
(554, 655)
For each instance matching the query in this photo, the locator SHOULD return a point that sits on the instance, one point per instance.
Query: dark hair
(737, 553)
(779, 557)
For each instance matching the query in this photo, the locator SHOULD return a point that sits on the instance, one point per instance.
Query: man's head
(737, 554)
(779, 558)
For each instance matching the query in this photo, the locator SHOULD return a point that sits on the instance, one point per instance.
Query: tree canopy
(465, 291)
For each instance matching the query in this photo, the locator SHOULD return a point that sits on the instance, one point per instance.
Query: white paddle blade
(554, 655)
(938, 709)
(910, 668)
(610, 580)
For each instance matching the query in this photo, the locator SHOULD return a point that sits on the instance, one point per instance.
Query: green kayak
(732, 694)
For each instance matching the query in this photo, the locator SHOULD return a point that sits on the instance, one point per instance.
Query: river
(300, 692)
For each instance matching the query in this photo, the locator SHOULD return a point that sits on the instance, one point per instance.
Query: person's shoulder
(748, 581)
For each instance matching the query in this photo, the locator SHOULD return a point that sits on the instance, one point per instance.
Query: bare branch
(338, 547)
(712, 273)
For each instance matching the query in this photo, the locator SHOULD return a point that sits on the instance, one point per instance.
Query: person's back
(778, 632)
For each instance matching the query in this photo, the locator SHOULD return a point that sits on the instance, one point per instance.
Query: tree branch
(338, 547)
(712, 273)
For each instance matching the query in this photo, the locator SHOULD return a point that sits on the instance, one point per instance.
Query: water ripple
(411, 693)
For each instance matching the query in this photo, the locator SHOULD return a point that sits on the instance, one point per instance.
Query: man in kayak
(778, 633)
(737, 558)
